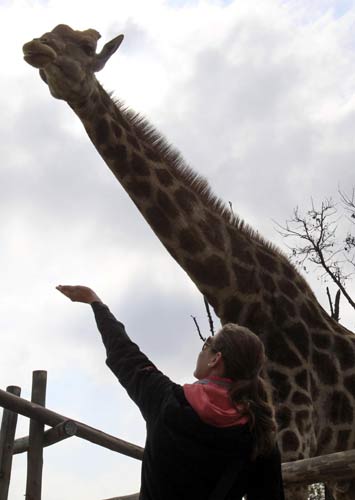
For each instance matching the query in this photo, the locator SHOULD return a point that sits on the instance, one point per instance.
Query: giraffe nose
(38, 54)
(45, 40)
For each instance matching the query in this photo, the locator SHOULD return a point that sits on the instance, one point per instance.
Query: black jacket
(184, 458)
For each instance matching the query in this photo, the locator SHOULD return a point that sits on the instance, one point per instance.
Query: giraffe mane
(197, 183)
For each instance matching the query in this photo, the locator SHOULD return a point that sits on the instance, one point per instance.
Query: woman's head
(235, 352)
(209, 361)
(242, 352)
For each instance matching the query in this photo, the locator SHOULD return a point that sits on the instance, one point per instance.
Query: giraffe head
(67, 60)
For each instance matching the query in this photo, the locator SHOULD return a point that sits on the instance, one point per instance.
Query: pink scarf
(210, 400)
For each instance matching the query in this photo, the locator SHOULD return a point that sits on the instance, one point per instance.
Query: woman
(212, 440)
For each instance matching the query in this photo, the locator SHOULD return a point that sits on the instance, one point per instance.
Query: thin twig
(330, 303)
(198, 328)
(336, 306)
(209, 315)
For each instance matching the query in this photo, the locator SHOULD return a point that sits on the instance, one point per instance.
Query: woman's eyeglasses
(207, 343)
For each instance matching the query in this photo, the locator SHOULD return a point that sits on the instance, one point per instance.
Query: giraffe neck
(196, 229)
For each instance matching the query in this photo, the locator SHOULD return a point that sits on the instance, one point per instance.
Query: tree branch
(209, 316)
(317, 231)
(198, 328)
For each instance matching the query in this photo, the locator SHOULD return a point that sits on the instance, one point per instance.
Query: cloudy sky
(259, 95)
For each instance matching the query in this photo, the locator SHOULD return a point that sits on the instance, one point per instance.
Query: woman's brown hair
(244, 358)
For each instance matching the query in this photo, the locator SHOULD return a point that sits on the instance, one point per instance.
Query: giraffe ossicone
(311, 358)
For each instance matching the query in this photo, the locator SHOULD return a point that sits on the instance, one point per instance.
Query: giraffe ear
(107, 51)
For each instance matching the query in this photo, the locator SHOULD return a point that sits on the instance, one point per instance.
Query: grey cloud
(137, 38)
(246, 123)
(59, 182)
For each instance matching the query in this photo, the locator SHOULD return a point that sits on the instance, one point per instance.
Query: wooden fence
(337, 466)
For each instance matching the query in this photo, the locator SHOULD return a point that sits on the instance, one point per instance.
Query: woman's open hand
(79, 293)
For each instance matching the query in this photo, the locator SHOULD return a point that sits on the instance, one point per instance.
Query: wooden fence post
(35, 450)
(7, 436)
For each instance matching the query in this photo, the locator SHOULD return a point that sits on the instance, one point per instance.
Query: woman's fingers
(78, 293)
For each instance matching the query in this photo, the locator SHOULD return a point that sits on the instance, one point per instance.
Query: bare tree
(318, 240)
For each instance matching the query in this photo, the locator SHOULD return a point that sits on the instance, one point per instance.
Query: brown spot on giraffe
(133, 141)
(157, 219)
(324, 367)
(256, 317)
(266, 260)
(289, 271)
(106, 101)
(213, 236)
(117, 130)
(121, 156)
(321, 340)
(240, 246)
(211, 272)
(140, 166)
(288, 288)
(166, 204)
(267, 283)
(120, 166)
(338, 408)
(302, 285)
(152, 155)
(281, 385)
(246, 279)
(311, 315)
(298, 335)
(140, 189)
(344, 352)
(283, 417)
(165, 178)
(102, 131)
(349, 383)
(100, 109)
(190, 241)
(324, 438)
(343, 439)
(279, 352)
(284, 309)
(301, 379)
(290, 441)
(299, 398)
(95, 97)
(185, 199)
(231, 310)
(287, 306)
(212, 232)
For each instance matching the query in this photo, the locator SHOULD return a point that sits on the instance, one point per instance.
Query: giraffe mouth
(38, 54)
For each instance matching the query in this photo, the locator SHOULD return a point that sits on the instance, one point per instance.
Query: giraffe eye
(88, 49)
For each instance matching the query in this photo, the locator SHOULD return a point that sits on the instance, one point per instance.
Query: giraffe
(247, 280)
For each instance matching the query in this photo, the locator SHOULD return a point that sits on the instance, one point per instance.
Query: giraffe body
(246, 279)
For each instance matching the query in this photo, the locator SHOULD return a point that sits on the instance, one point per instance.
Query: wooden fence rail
(48, 417)
(337, 466)
(38, 438)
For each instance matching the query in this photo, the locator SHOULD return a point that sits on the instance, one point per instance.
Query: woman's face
(208, 361)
